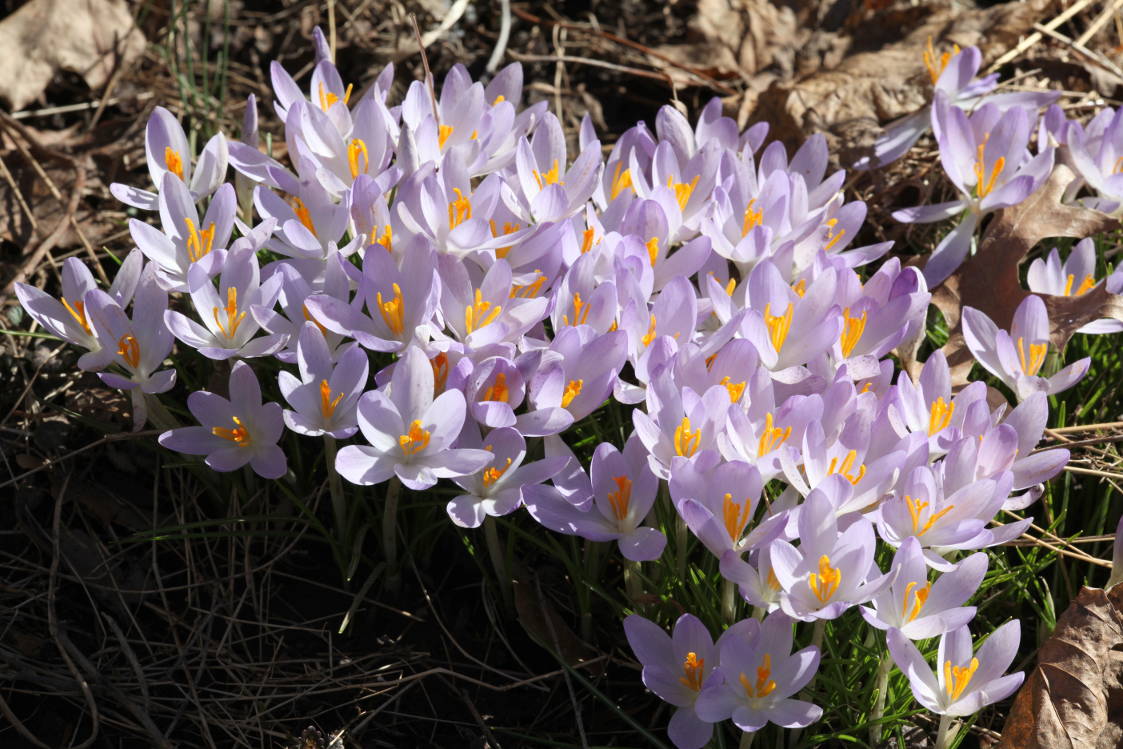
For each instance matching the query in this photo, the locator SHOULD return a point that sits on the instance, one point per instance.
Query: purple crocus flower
(927, 406)
(1096, 150)
(921, 609)
(325, 397)
(986, 158)
(410, 433)
(963, 683)
(498, 489)
(1074, 277)
(677, 668)
(234, 431)
(168, 152)
(760, 676)
(623, 491)
(1016, 357)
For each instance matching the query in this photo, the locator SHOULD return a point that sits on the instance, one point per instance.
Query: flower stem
(390, 531)
(632, 581)
(728, 601)
(945, 733)
(818, 632)
(747, 739)
(883, 669)
(681, 537)
(335, 486)
(495, 551)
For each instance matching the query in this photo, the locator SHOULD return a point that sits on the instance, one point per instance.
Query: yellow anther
(499, 99)
(549, 178)
(682, 190)
(415, 440)
(129, 349)
(572, 390)
(443, 133)
(852, 329)
(526, 291)
(771, 437)
(686, 441)
(314, 321)
(580, 311)
(693, 668)
(940, 416)
(393, 310)
(439, 363)
(78, 312)
(302, 213)
(621, 498)
(649, 336)
(846, 468)
(587, 240)
(327, 403)
(778, 325)
(327, 98)
(199, 243)
(459, 210)
(653, 250)
(386, 238)
(736, 516)
(479, 313)
(1032, 360)
(825, 583)
(956, 678)
(355, 149)
(239, 435)
(916, 509)
(1085, 285)
(919, 598)
(984, 184)
(736, 389)
(621, 180)
(833, 236)
(730, 285)
(752, 218)
(936, 64)
(491, 475)
(764, 685)
(508, 228)
(233, 316)
(772, 581)
(173, 161)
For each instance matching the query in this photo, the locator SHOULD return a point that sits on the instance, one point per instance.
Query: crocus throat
(916, 508)
(919, 598)
(621, 180)
(129, 349)
(764, 685)
(572, 390)
(778, 325)
(459, 210)
(173, 161)
(479, 313)
(936, 64)
(439, 363)
(846, 468)
(356, 148)
(327, 403)
(825, 583)
(940, 415)
(78, 312)
(327, 98)
(1031, 363)
(652, 250)
(415, 440)
(444, 132)
(549, 178)
(692, 670)
(386, 238)
(1085, 285)
(620, 499)
(736, 389)
(984, 184)
(682, 190)
(199, 243)
(233, 316)
(239, 435)
(852, 329)
(393, 310)
(491, 475)
(686, 441)
(497, 391)
(736, 516)
(771, 437)
(302, 214)
(956, 678)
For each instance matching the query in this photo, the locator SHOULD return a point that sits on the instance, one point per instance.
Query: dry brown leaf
(1074, 698)
(89, 37)
(989, 280)
(544, 624)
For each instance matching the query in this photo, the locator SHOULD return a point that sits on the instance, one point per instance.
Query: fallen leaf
(89, 37)
(543, 623)
(1073, 699)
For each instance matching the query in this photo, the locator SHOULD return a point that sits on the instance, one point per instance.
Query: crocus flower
(927, 406)
(325, 397)
(234, 431)
(1016, 357)
(986, 158)
(677, 667)
(921, 609)
(963, 683)
(410, 433)
(1074, 277)
(1095, 150)
(760, 676)
(498, 489)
